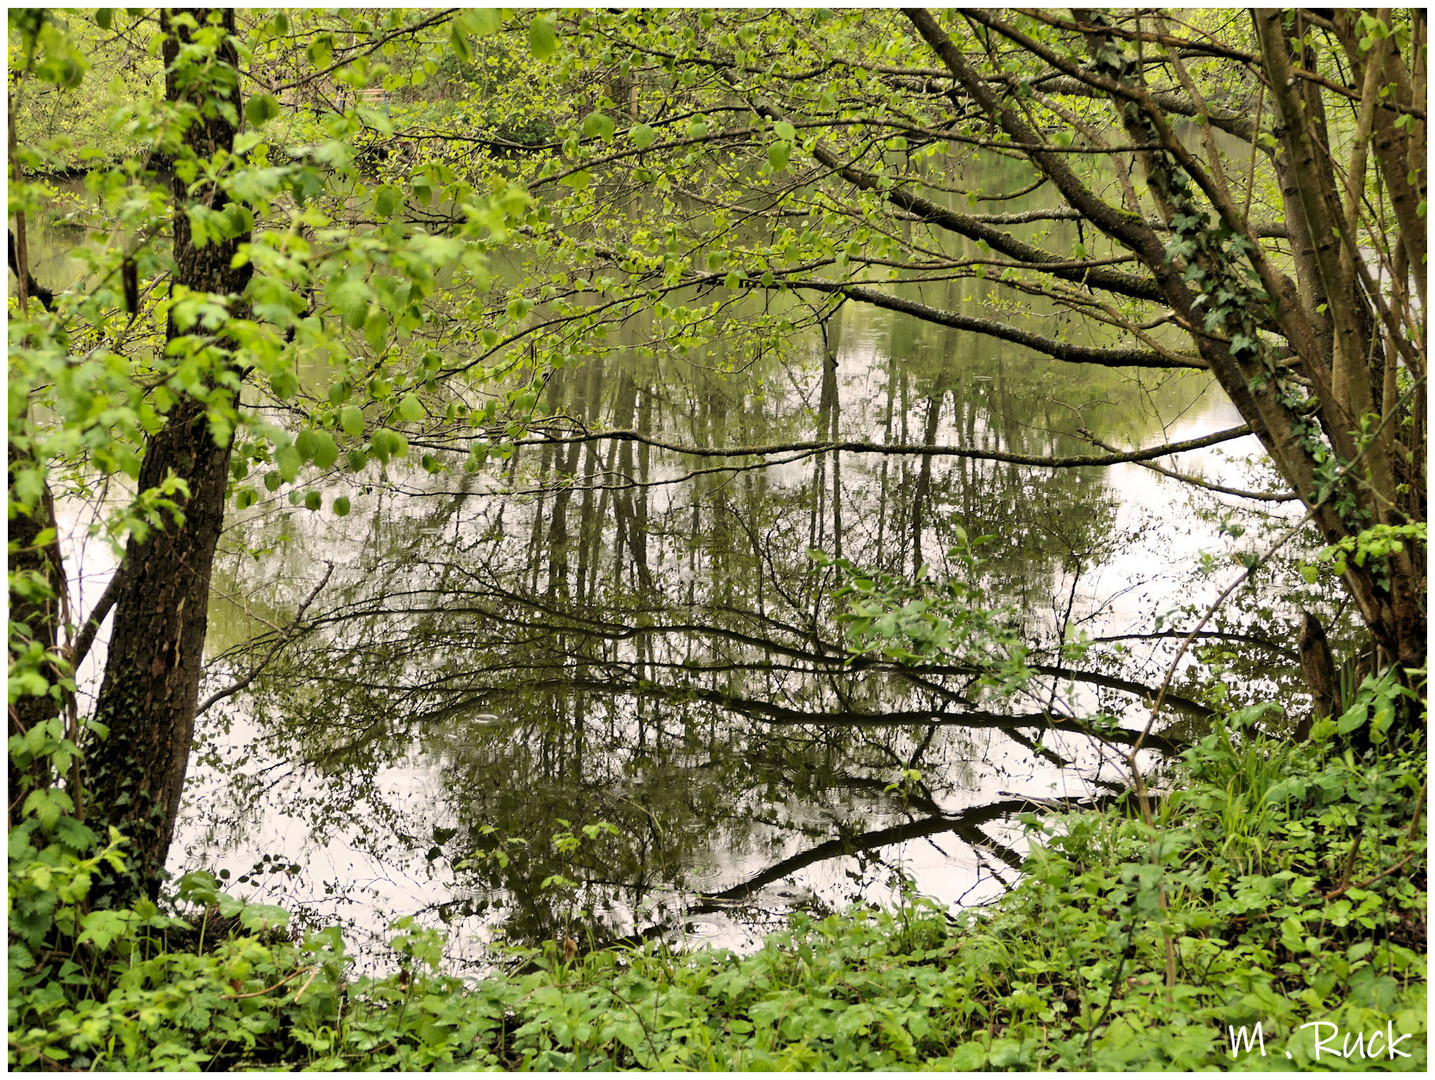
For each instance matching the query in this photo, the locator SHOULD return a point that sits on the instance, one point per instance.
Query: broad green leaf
(411, 409)
(260, 109)
(341, 506)
(459, 40)
(376, 330)
(541, 39)
(289, 460)
(642, 136)
(326, 451)
(483, 21)
(595, 123)
(351, 419)
(784, 130)
(387, 443)
(321, 51)
(305, 443)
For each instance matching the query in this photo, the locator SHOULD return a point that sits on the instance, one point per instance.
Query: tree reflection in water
(662, 656)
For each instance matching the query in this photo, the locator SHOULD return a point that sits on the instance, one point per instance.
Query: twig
(230, 691)
(1115, 982)
(1419, 806)
(276, 986)
(413, 28)
(86, 638)
(868, 447)
(1196, 481)
(1350, 863)
(1371, 881)
(312, 976)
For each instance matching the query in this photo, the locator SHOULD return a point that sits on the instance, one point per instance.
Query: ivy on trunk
(152, 672)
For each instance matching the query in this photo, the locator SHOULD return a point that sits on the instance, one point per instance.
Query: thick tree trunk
(152, 673)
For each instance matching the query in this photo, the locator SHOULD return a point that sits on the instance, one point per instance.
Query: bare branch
(1073, 461)
(279, 641)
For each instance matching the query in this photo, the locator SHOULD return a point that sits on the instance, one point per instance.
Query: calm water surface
(606, 634)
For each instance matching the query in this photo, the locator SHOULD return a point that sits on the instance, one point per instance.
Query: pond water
(598, 690)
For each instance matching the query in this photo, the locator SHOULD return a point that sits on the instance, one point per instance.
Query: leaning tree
(1240, 193)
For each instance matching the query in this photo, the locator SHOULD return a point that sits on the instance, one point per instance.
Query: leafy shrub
(1279, 884)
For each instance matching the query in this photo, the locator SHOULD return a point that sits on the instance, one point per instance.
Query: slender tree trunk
(151, 683)
(42, 616)
(29, 559)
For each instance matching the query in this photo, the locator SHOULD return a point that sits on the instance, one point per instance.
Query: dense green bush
(1279, 884)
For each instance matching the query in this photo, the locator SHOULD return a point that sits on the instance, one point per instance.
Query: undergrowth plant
(1294, 894)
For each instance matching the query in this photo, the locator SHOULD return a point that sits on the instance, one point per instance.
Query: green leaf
(541, 39)
(411, 409)
(326, 451)
(376, 330)
(642, 136)
(777, 155)
(321, 51)
(289, 460)
(305, 444)
(313, 500)
(483, 21)
(785, 131)
(352, 420)
(459, 40)
(260, 109)
(1351, 719)
(387, 444)
(341, 506)
(595, 123)
(103, 18)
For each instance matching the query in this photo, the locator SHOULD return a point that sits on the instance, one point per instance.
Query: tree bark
(151, 683)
